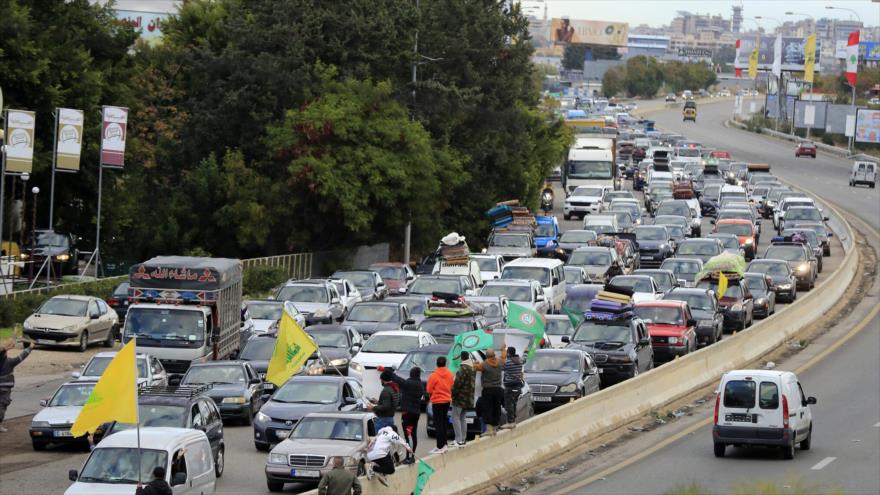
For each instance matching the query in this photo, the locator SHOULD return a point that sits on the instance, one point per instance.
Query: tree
(573, 56)
(643, 76)
(614, 81)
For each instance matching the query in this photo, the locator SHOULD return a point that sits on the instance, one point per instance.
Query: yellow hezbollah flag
(809, 57)
(114, 397)
(753, 64)
(722, 285)
(293, 347)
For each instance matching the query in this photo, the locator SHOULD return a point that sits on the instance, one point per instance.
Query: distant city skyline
(656, 13)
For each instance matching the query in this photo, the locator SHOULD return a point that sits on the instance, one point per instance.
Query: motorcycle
(547, 202)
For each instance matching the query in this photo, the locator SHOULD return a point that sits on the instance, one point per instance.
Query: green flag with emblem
(466, 342)
(528, 320)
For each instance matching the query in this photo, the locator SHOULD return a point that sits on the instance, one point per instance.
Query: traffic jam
(647, 246)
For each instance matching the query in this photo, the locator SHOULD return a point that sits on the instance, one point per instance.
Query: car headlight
(351, 462)
(63, 257)
(69, 329)
(234, 400)
(355, 366)
(784, 286)
(673, 340)
(750, 241)
(803, 268)
(262, 417)
(321, 313)
(705, 323)
(28, 325)
(40, 424)
(339, 362)
(567, 389)
(277, 459)
(737, 307)
(24, 256)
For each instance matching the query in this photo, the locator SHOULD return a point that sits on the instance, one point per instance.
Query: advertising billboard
(869, 51)
(69, 139)
(868, 126)
(792, 53)
(565, 31)
(147, 24)
(113, 134)
(20, 125)
(809, 114)
(835, 118)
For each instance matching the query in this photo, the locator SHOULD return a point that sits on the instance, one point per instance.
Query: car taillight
(784, 411)
(112, 301)
(717, 405)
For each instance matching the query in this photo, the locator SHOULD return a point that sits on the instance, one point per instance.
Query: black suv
(178, 407)
(620, 347)
(61, 247)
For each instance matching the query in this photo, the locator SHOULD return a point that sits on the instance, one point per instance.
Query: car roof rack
(186, 391)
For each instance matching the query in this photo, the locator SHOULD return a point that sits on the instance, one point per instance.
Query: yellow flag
(753, 64)
(722, 285)
(293, 347)
(114, 397)
(809, 57)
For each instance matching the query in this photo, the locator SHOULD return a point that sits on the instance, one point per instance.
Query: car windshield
(98, 364)
(360, 279)
(589, 258)
(258, 349)
(64, 307)
(541, 275)
(391, 344)
(545, 230)
(600, 229)
(430, 285)
(265, 311)
(786, 253)
(734, 228)
(445, 328)
(689, 152)
(121, 290)
(769, 268)
(198, 375)
(637, 284)
(558, 327)
(120, 465)
(699, 248)
(391, 272)
(681, 267)
(74, 394)
(490, 309)
(303, 293)
(734, 291)
(573, 276)
(584, 169)
(812, 239)
(487, 264)
(521, 293)
(510, 240)
(728, 242)
(345, 430)
(659, 315)
(338, 339)
(694, 301)
(158, 415)
(650, 233)
(52, 239)
(424, 360)
(755, 284)
(588, 191)
(803, 214)
(553, 362)
(166, 326)
(627, 206)
(590, 331)
(307, 392)
(374, 313)
(677, 210)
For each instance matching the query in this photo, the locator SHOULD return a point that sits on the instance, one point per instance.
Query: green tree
(573, 56)
(644, 76)
(614, 81)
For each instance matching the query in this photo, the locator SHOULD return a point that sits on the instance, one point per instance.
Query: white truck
(592, 161)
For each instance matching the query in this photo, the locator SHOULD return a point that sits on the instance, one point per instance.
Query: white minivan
(762, 407)
(863, 173)
(547, 272)
(112, 466)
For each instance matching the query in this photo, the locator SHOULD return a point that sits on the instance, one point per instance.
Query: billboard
(564, 31)
(20, 125)
(809, 114)
(835, 118)
(68, 143)
(147, 24)
(695, 52)
(869, 51)
(113, 134)
(868, 126)
(792, 53)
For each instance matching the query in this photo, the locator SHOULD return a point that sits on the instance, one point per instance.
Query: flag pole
(137, 412)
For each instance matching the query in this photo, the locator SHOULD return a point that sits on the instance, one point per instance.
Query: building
(737, 20)
(686, 23)
(648, 45)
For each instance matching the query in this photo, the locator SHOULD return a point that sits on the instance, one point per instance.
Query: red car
(720, 154)
(805, 149)
(672, 328)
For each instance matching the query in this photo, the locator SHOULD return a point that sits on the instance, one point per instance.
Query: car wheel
(219, 463)
(261, 447)
(83, 341)
(248, 418)
(719, 449)
(566, 216)
(788, 451)
(805, 443)
(111, 337)
(794, 293)
(635, 372)
(275, 486)
(39, 446)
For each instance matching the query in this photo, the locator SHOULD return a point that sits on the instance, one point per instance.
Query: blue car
(546, 235)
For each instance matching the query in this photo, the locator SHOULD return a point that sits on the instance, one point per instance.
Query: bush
(15, 311)
(259, 280)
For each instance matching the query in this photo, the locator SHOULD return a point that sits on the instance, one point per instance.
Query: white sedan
(388, 348)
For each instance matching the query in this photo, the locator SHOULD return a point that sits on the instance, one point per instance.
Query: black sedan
(371, 317)
(236, 387)
(765, 299)
(782, 278)
(337, 344)
(118, 301)
(558, 376)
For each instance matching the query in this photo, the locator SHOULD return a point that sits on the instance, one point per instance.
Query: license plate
(539, 398)
(305, 473)
(282, 433)
(45, 341)
(738, 418)
(469, 421)
(62, 433)
(647, 257)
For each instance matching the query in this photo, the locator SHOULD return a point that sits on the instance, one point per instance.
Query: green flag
(425, 472)
(528, 320)
(575, 317)
(466, 342)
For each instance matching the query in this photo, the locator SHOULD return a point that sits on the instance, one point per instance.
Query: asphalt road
(846, 447)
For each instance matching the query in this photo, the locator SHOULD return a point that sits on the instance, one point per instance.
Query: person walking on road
(513, 384)
(339, 481)
(156, 486)
(7, 377)
(440, 391)
(493, 393)
(462, 398)
(389, 400)
(411, 392)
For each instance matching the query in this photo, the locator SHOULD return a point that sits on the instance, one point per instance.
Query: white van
(762, 407)
(547, 272)
(471, 269)
(112, 466)
(734, 193)
(602, 224)
(863, 173)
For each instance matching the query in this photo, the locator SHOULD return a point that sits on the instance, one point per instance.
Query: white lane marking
(824, 462)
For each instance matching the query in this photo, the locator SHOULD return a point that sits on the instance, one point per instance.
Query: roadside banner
(20, 125)
(809, 58)
(68, 143)
(753, 64)
(113, 134)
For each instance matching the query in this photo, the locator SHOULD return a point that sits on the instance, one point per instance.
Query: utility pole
(407, 233)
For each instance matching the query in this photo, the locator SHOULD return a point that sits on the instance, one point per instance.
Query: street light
(832, 7)
(24, 178)
(35, 191)
(778, 79)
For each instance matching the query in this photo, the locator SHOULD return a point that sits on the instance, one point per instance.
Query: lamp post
(24, 178)
(35, 190)
(853, 137)
(813, 22)
(778, 79)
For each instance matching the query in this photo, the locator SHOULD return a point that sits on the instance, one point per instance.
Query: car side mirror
(566, 339)
(178, 479)
(44, 402)
(72, 475)
(539, 298)
(410, 321)
(355, 348)
(350, 401)
(681, 282)
(645, 341)
(94, 316)
(76, 374)
(692, 322)
(825, 219)
(265, 397)
(410, 278)
(811, 400)
(334, 300)
(470, 292)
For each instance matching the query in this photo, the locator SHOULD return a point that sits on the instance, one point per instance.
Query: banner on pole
(68, 145)
(113, 134)
(810, 58)
(20, 125)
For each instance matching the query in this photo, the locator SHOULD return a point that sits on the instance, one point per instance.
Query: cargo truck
(592, 161)
(185, 310)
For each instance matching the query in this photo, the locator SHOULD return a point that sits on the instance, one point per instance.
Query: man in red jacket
(440, 390)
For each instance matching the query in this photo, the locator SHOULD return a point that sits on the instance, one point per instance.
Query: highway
(846, 445)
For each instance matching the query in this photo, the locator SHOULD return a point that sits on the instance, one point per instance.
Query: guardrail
(789, 137)
(543, 437)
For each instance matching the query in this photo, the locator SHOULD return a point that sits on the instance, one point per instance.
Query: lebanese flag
(738, 72)
(852, 58)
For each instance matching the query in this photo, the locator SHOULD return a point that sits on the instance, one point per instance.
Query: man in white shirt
(379, 452)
